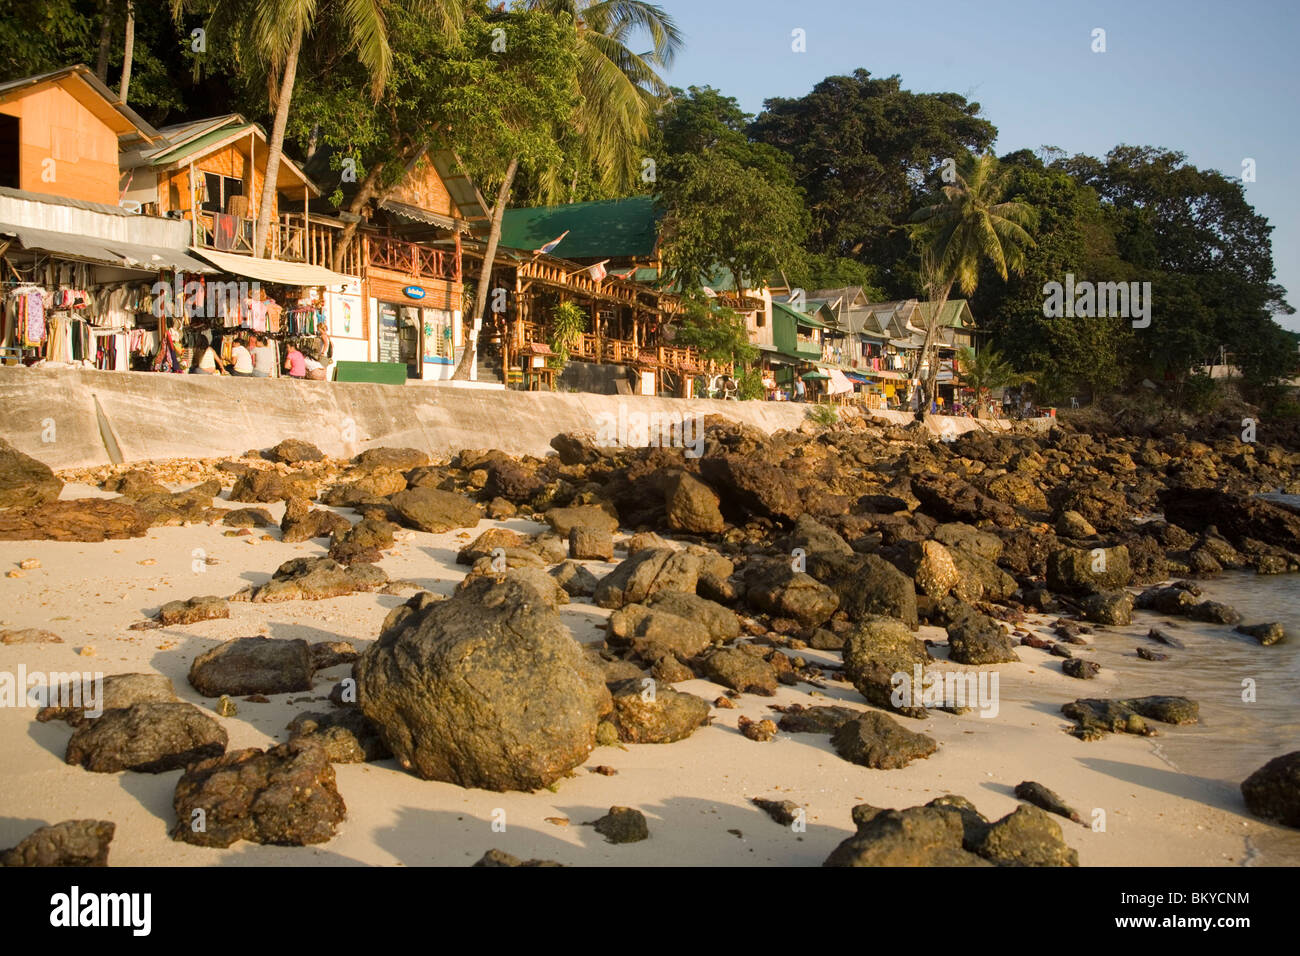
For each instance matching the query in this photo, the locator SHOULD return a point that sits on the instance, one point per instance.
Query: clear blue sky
(1218, 81)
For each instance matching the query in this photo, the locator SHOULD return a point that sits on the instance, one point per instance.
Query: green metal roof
(163, 157)
(604, 229)
(801, 317)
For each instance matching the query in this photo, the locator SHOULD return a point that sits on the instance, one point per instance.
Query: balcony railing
(293, 239)
(408, 258)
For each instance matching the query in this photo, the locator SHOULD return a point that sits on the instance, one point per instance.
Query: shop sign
(414, 292)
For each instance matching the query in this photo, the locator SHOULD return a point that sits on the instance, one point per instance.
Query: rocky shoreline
(815, 560)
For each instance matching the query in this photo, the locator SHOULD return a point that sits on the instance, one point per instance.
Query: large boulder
(430, 509)
(1236, 516)
(648, 712)
(783, 592)
(70, 843)
(120, 691)
(399, 459)
(313, 579)
(487, 689)
(293, 451)
(262, 484)
(691, 505)
(302, 522)
(149, 737)
(253, 665)
(878, 741)
(975, 638)
(917, 836)
(867, 586)
(877, 649)
(564, 520)
(1026, 837)
(285, 796)
(646, 573)
(747, 485)
(82, 519)
(1109, 607)
(1273, 791)
(1086, 571)
(24, 481)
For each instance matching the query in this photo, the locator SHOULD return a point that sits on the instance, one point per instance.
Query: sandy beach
(695, 793)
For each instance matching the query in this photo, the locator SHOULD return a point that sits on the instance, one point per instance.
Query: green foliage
(1199, 394)
(448, 90)
(824, 415)
(861, 146)
(568, 322)
(827, 271)
(988, 371)
(718, 333)
(749, 384)
(725, 200)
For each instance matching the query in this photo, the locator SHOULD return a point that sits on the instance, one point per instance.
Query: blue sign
(414, 292)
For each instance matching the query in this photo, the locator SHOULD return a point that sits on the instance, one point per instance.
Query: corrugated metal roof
(65, 201)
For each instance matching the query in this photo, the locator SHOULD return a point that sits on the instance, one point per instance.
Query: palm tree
(275, 31)
(968, 227)
(618, 92)
(988, 371)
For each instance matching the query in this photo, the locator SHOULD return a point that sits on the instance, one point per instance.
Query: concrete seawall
(77, 418)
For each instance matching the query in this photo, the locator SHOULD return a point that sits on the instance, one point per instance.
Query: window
(9, 151)
(220, 190)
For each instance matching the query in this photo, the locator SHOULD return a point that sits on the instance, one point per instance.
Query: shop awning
(857, 377)
(273, 270)
(154, 258)
(110, 252)
(817, 376)
(61, 244)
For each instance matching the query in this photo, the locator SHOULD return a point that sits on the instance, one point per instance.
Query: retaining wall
(71, 418)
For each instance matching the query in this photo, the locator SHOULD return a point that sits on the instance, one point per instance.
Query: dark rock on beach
(285, 796)
(487, 689)
(253, 665)
(878, 741)
(149, 737)
(70, 843)
(1273, 791)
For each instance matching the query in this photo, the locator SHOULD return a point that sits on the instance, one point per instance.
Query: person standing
(800, 390)
(241, 360)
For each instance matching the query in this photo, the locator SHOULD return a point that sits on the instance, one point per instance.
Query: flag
(625, 274)
(546, 249)
(709, 293)
(597, 272)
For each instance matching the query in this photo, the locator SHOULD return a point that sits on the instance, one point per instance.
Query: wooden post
(194, 213)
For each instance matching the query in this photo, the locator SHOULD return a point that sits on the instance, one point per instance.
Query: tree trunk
(105, 42)
(462, 372)
(276, 148)
(128, 52)
(931, 328)
(365, 192)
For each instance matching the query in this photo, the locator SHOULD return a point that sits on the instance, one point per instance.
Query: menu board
(389, 345)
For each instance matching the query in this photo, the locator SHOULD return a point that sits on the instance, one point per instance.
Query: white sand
(694, 793)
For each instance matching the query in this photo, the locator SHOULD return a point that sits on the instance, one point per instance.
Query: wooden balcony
(293, 239)
(411, 259)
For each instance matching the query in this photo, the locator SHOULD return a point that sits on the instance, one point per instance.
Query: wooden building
(61, 133)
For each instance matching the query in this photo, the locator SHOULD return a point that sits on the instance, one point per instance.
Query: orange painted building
(61, 134)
